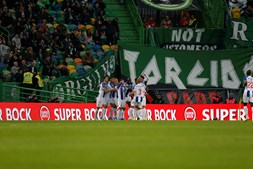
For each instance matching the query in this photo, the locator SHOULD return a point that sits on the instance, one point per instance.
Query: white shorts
(113, 101)
(128, 99)
(246, 99)
(144, 101)
(138, 104)
(102, 101)
(121, 103)
(133, 102)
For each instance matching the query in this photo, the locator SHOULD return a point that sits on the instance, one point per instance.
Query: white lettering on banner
(153, 67)
(59, 89)
(239, 34)
(16, 114)
(192, 47)
(214, 73)
(192, 78)
(227, 71)
(161, 114)
(70, 90)
(1, 114)
(186, 35)
(131, 57)
(149, 112)
(89, 114)
(67, 114)
(172, 73)
(222, 114)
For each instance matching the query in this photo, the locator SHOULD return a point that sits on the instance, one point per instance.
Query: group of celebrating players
(118, 93)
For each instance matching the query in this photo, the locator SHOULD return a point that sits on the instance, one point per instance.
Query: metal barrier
(14, 92)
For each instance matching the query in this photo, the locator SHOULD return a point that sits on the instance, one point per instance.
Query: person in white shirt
(16, 41)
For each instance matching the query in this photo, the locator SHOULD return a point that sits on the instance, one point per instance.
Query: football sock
(96, 114)
(103, 113)
(131, 113)
(245, 110)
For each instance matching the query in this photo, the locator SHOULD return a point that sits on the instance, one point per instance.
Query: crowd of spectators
(54, 37)
(240, 9)
(185, 19)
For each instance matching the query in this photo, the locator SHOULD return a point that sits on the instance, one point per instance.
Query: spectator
(54, 99)
(110, 33)
(236, 13)
(32, 98)
(88, 58)
(23, 66)
(33, 68)
(14, 69)
(166, 22)
(248, 12)
(16, 41)
(217, 98)
(3, 51)
(115, 23)
(37, 31)
(184, 20)
(193, 22)
(8, 21)
(231, 99)
(19, 76)
(150, 23)
(158, 99)
(68, 15)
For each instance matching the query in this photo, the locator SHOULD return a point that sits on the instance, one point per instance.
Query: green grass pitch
(126, 144)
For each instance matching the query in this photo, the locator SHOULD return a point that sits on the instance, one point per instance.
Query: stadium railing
(14, 92)
(136, 19)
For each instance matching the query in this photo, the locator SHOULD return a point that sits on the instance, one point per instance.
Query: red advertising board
(86, 111)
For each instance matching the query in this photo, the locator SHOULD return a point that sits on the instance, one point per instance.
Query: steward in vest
(38, 83)
(193, 22)
(27, 83)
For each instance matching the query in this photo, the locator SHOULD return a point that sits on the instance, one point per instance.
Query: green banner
(78, 86)
(240, 32)
(189, 38)
(185, 69)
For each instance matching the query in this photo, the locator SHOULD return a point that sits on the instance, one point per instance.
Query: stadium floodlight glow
(168, 6)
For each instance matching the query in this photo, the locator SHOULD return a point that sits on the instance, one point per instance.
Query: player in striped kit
(103, 99)
(248, 92)
(139, 92)
(144, 80)
(113, 83)
(122, 98)
(131, 111)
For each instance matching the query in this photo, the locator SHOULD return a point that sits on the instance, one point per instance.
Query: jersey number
(139, 91)
(250, 84)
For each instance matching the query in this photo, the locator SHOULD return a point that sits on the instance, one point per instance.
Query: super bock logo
(189, 113)
(168, 4)
(44, 113)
